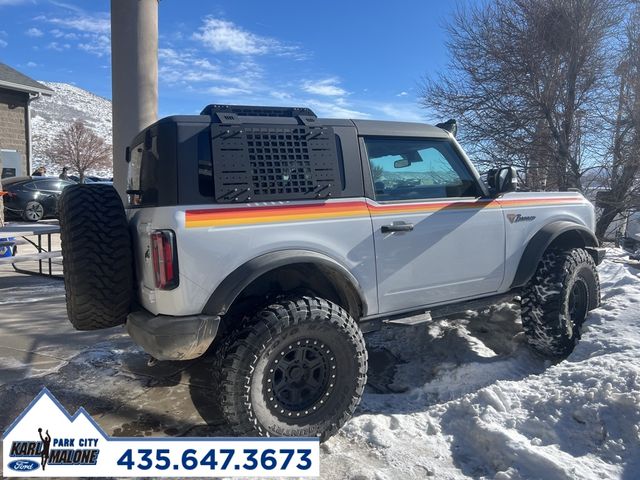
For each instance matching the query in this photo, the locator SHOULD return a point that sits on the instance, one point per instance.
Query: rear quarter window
(133, 183)
(142, 185)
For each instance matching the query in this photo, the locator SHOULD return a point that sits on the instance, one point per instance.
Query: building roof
(12, 79)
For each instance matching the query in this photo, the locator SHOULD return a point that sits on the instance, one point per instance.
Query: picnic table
(14, 235)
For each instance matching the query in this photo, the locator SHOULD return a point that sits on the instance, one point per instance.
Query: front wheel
(557, 299)
(33, 211)
(298, 368)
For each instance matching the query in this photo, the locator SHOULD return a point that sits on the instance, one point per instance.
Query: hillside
(50, 115)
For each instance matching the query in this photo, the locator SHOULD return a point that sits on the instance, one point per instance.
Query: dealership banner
(45, 441)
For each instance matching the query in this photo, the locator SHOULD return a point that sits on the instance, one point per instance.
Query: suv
(274, 240)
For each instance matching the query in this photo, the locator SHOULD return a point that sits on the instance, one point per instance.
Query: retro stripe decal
(337, 209)
(224, 217)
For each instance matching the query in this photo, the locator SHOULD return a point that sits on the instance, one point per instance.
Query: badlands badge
(517, 218)
(46, 441)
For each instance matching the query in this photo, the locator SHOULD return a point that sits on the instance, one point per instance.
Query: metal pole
(134, 71)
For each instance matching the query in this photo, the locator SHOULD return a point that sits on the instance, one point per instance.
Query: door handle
(397, 227)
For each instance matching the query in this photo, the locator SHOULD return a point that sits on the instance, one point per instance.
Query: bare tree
(526, 79)
(80, 149)
(624, 168)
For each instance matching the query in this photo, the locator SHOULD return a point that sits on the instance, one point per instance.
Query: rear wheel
(298, 368)
(557, 299)
(33, 211)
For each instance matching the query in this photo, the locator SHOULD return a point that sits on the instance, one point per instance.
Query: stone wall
(13, 123)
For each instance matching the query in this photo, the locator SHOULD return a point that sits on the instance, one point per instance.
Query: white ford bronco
(273, 240)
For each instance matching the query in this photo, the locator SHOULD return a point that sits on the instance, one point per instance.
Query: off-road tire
(545, 300)
(248, 403)
(96, 256)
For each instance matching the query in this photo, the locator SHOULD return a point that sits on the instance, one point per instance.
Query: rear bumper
(172, 338)
(597, 253)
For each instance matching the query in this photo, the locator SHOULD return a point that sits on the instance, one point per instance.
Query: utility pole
(134, 72)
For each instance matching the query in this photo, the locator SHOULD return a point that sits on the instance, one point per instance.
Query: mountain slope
(51, 115)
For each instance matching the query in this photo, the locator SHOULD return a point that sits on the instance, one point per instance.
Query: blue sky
(344, 58)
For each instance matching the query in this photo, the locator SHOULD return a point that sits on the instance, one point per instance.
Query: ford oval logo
(23, 465)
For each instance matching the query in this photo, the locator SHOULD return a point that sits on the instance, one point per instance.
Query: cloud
(224, 36)
(90, 32)
(32, 64)
(57, 33)
(402, 94)
(187, 68)
(333, 109)
(3, 43)
(328, 87)
(58, 47)
(228, 91)
(279, 95)
(34, 32)
(98, 45)
(67, 6)
(170, 56)
(98, 23)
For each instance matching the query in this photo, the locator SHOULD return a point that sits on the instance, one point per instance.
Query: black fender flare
(232, 286)
(536, 247)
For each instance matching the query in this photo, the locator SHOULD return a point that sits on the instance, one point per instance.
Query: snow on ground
(468, 399)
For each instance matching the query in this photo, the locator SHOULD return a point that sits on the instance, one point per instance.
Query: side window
(49, 185)
(408, 169)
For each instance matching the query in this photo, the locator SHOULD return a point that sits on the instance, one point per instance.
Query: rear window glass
(133, 184)
(142, 185)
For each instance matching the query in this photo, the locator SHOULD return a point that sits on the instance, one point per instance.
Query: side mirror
(502, 180)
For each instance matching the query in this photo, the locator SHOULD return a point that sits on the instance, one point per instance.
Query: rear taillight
(165, 260)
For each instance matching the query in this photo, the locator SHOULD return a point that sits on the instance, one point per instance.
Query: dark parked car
(33, 198)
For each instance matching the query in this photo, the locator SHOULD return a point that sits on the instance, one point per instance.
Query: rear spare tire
(96, 256)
